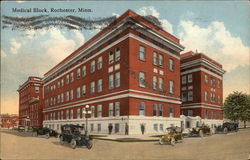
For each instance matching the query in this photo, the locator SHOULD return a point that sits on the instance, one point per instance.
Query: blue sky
(218, 29)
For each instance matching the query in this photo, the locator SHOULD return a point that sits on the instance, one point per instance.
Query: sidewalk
(128, 138)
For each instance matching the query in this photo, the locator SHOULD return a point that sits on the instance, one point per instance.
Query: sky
(219, 29)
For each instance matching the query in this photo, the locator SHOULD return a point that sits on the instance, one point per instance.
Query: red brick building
(127, 73)
(201, 88)
(8, 120)
(30, 102)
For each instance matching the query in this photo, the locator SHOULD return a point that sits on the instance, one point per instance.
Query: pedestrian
(142, 128)
(110, 127)
(126, 129)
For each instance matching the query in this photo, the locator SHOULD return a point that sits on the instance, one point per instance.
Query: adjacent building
(30, 102)
(201, 90)
(8, 120)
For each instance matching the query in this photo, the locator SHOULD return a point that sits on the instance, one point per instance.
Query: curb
(135, 140)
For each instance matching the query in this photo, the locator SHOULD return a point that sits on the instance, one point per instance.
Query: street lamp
(86, 112)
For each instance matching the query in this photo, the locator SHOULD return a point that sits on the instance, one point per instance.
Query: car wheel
(89, 144)
(172, 141)
(61, 140)
(161, 141)
(47, 135)
(225, 130)
(201, 133)
(73, 144)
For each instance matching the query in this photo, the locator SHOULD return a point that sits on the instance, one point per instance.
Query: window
(212, 81)
(84, 71)
(161, 109)
(206, 114)
(99, 110)
(111, 108)
(67, 79)
(190, 112)
(155, 61)
(67, 114)
(184, 96)
(92, 111)
(71, 94)
(58, 84)
(99, 128)
(156, 127)
(117, 108)
(62, 82)
(206, 78)
(92, 67)
(160, 60)
(78, 92)
(117, 54)
(99, 63)
(71, 113)
(206, 96)
(161, 84)
(218, 83)
(171, 65)
(155, 110)
(190, 78)
(78, 73)
(99, 87)
(111, 57)
(111, 81)
(58, 98)
(62, 98)
(83, 112)
(154, 82)
(161, 127)
(91, 127)
(78, 113)
(92, 88)
(171, 111)
(218, 99)
(142, 82)
(71, 78)
(83, 90)
(37, 89)
(58, 115)
(142, 54)
(117, 79)
(171, 87)
(67, 96)
(62, 115)
(142, 109)
(190, 95)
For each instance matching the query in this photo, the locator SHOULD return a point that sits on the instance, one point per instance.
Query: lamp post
(86, 112)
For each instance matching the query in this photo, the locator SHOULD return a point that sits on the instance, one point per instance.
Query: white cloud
(216, 42)
(14, 46)
(116, 15)
(30, 33)
(150, 10)
(79, 38)
(3, 54)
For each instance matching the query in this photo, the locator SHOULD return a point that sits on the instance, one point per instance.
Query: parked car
(172, 136)
(44, 131)
(227, 127)
(21, 128)
(200, 131)
(72, 134)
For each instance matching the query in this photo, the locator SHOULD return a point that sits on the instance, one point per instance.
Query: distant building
(8, 120)
(30, 102)
(201, 90)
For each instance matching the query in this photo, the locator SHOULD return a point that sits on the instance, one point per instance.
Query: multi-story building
(8, 120)
(201, 90)
(30, 102)
(129, 73)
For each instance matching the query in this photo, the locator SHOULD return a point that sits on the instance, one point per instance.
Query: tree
(237, 107)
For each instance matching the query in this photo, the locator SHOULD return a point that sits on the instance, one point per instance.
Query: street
(232, 146)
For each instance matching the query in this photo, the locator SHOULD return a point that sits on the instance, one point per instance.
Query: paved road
(233, 146)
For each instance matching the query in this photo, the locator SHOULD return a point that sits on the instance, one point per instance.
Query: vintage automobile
(172, 136)
(227, 127)
(72, 134)
(200, 131)
(21, 128)
(44, 131)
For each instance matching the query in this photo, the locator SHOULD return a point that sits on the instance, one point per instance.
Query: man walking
(142, 128)
(110, 127)
(126, 129)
